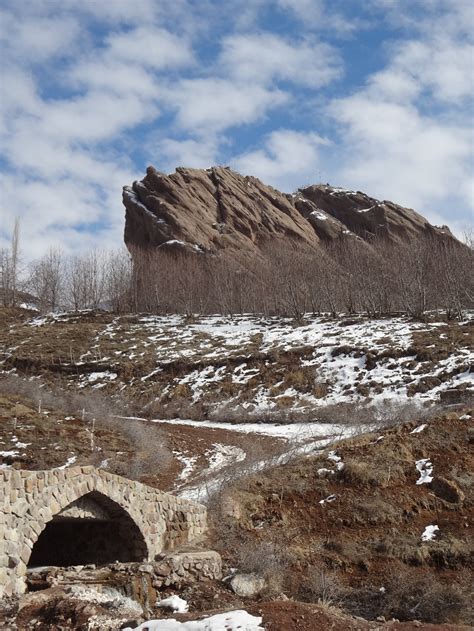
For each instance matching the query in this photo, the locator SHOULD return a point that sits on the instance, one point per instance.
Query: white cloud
(212, 105)
(199, 154)
(319, 15)
(437, 67)
(407, 134)
(63, 172)
(114, 76)
(113, 11)
(150, 47)
(398, 154)
(265, 57)
(34, 40)
(52, 212)
(287, 160)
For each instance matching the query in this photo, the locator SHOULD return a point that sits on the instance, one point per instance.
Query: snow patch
(328, 499)
(429, 533)
(188, 462)
(336, 459)
(175, 603)
(223, 455)
(419, 429)
(238, 620)
(71, 460)
(425, 469)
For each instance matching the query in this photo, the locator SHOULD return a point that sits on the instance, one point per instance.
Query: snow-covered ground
(263, 365)
(296, 432)
(336, 357)
(238, 620)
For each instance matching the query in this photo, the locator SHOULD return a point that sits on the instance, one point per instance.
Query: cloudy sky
(375, 95)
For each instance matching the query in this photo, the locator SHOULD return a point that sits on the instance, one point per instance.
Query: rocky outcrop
(217, 208)
(209, 210)
(366, 216)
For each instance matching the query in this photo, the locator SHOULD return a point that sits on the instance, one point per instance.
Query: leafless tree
(118, 280)
(46, 280)
(85, 280)
(9, 269)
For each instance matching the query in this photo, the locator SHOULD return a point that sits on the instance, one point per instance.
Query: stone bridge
(84, 515)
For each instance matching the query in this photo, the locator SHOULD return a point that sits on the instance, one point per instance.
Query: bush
(410, 596)
(323, 587)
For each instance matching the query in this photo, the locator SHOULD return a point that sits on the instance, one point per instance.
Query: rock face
(217, 208)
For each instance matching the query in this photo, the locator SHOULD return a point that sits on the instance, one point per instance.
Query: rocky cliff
(217, 208)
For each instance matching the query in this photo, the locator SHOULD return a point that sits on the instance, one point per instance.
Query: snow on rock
(105, 375)
(19, 444)
(175, 603)
(336, 459)
(324, 472)
(419, 429)
(429, 533)
(425, 469)
(238, 620)
(328, 499)
(71, 460)
(108, 595)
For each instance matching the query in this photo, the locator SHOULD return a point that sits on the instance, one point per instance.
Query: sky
(370, 95)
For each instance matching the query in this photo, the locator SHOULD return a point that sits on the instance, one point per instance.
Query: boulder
(247, 585)
(447, 490)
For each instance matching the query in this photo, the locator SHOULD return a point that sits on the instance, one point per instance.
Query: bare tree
(85, 280)
(46, 280)
(14, 256)
(118, 280)
(9, 269)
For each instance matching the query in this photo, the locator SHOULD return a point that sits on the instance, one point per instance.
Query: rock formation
(217, 208)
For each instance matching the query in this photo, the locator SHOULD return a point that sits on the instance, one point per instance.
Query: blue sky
(373, 95)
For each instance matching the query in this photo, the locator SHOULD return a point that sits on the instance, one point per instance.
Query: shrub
(323, 587)
(412, 596)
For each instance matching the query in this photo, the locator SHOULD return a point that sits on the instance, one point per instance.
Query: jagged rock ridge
(217, 208)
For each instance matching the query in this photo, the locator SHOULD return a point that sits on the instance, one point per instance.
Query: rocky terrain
(334, 456)
(217, 208)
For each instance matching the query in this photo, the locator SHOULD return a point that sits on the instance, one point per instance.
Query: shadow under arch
(93, 529)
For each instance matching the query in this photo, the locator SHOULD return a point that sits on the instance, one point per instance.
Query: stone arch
(54, 498)
(32, 499)
(92, 530)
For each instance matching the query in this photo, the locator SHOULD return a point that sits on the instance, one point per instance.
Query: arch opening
(92, 530)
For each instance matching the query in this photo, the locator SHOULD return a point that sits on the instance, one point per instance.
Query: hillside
(307, 440)
(242, 367)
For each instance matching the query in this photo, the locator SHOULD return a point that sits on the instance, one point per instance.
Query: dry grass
(364, 474)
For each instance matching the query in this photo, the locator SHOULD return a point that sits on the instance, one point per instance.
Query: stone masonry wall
(30, 499)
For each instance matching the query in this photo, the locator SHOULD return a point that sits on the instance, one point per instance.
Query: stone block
(30, 484)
